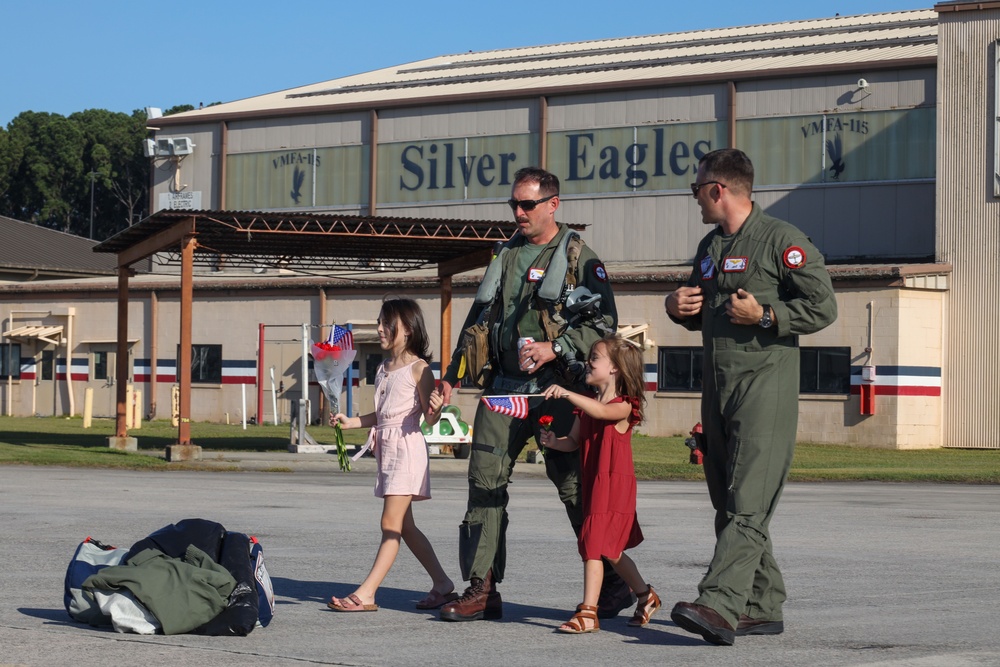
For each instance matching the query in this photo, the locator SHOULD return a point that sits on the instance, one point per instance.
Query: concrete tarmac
(877, 574)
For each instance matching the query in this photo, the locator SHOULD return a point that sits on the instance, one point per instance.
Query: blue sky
(63, 56)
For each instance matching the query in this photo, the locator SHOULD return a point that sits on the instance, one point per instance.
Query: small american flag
(341, 337)
(513, 406)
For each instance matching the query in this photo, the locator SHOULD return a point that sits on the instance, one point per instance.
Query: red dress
(610, 524)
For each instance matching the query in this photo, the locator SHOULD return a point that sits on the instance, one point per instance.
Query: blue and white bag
(90, 557)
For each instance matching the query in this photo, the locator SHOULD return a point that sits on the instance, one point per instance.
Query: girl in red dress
(603, 434)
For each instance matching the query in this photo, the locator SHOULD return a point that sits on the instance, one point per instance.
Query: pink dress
(608, 487)
(400, 449)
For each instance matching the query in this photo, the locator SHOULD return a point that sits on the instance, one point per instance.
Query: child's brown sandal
(649, 602)
(577, 625)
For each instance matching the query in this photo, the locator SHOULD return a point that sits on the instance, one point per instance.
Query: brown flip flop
(435, 600)
(351, 603)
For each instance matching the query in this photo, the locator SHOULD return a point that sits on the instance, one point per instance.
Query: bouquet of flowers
(331, 359)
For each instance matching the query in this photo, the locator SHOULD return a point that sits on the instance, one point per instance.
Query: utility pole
(92, 174)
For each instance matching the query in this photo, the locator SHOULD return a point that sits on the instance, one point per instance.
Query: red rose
(545, 421)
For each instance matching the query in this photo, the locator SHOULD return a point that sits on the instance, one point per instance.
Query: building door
(283, 362)
(103, 369)
(369, 359)
(45, 383)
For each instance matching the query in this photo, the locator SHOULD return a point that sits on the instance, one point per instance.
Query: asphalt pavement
(878, 574)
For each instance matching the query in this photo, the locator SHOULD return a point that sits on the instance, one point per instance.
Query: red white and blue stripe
(901, 380)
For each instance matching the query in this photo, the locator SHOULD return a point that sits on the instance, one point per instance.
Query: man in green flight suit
(525, 294)
(757, 284)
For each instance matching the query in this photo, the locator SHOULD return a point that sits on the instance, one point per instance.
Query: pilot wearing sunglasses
(549, 354)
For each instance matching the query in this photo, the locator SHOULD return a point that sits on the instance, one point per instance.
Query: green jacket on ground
(182, 593)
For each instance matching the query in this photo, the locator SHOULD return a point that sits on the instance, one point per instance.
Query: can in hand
(521, 342)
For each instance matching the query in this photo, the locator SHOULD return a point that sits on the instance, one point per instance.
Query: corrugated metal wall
(247, 136)
(968, 229)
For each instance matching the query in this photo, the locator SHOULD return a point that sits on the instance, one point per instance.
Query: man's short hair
(732, 167)
(548, 183)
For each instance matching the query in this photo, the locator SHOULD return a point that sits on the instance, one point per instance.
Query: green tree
(10, 160)
(115, 161)
(49, 180)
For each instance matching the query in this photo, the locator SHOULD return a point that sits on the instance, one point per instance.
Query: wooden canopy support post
(121, 440)
(184, 450)
(445, 323)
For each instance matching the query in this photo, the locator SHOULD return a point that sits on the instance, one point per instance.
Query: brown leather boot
(481, 601)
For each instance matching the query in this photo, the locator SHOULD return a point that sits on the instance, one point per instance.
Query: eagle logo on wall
(298, 178)
(835, 149)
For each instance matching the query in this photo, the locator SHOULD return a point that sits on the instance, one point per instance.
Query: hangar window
(48, 365)
(825, 370)
(100, 362)
(678, 369)
(10, 360)
(206, 364)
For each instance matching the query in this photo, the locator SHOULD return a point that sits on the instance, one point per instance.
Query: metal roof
(843, 42)
(312, 241)
(28, 247)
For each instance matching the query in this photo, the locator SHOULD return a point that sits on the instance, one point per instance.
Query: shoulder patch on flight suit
(601, 273)
(735, 264)
(794, 257)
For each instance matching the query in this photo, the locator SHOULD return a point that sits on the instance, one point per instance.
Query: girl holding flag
(404, 389)
(603, 434)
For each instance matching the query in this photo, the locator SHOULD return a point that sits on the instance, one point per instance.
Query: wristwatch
(557, 349)
(765, 320)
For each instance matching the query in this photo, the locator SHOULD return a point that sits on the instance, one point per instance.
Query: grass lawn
(64, 442)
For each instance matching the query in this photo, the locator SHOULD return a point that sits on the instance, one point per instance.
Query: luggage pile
(190, 577)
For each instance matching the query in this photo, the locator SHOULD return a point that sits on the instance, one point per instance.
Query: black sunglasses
(698, 186)
(527, 204)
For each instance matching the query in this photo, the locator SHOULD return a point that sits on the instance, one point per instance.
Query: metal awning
(47, 334)
(311, 241)
(298, 241)
(637, 333)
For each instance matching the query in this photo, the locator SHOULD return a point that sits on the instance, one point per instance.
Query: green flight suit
(749, 409)
(498, 439)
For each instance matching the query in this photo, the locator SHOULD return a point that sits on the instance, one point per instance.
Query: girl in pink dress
(403, 391)
(603, 434)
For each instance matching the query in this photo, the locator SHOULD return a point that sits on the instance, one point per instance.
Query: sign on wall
(452, 169)
(181, 201)
(331, 176)
(632, 159)
(823, 148)
(845, 147)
